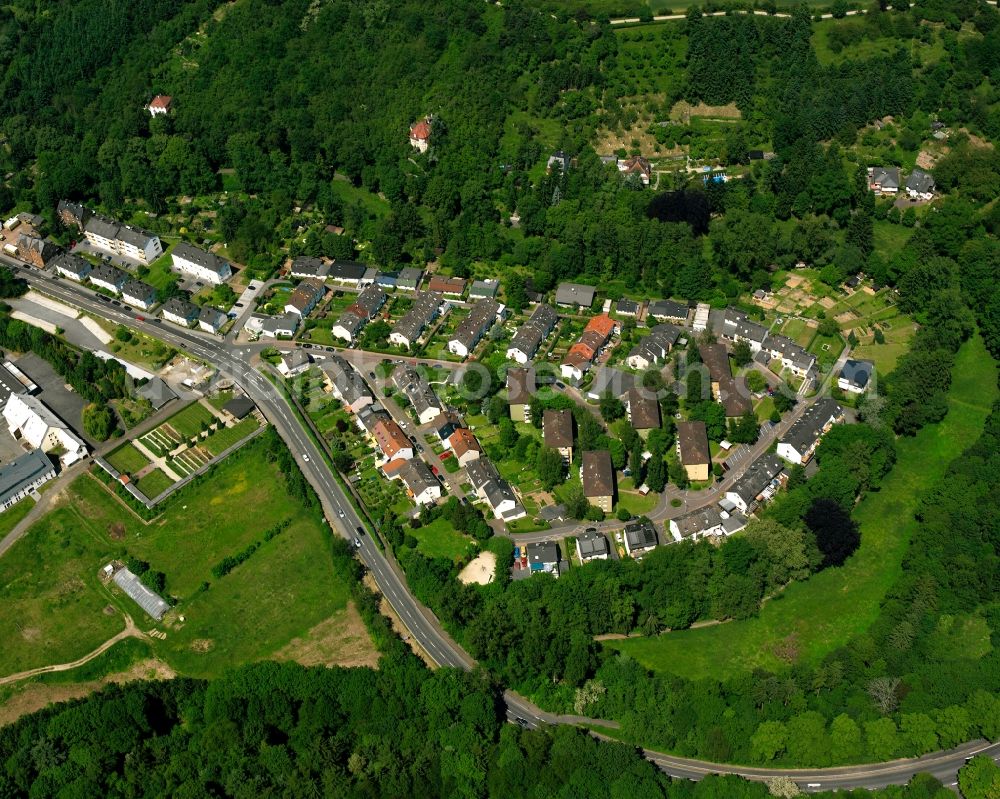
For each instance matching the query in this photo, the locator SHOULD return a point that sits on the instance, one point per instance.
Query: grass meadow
(837, 604)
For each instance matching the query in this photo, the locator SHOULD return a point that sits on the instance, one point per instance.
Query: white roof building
(28, 419)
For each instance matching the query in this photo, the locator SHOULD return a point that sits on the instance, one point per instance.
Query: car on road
(371, 375)
(305, 457)
(330, 349)
(357, 543)
(102, 297)
(140, 319)
(340, 514)
(522, 722)
(115, 302)
(158, 321)
(307, 346)
(560, 384)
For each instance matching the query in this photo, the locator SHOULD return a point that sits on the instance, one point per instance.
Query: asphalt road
(420, 622)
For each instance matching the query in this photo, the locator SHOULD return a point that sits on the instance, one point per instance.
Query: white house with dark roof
(920, 185)
(855, 376)
(139, 294)
(109, 278)
(138, 244)
(24, 474)
(653, 349)
(470, 331)
(180, 312)
(884, 179)
(761, 481)
(211, 319)
(532, 333)
(306, 266)
(591, 545)
(199, 264)
(72, 266)
(799, 444)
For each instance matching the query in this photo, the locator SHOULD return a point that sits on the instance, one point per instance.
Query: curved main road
(233, 361)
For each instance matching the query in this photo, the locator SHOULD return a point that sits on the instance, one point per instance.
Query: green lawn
(127, 459)
(154, 483)
(837, 604)
(53, 600)
(188, 421)
(219, 441)
(50, 593)
(440, 540)
(10, 517)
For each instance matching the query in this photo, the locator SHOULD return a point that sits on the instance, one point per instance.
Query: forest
(401, 731)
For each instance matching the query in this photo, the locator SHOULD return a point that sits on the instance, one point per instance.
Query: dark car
(371, 375)
(115, 302)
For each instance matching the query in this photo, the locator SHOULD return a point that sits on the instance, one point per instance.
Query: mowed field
(55, 605)
(833, 606)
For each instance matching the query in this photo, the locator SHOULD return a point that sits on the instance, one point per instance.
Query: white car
(618, 537)
(341, 514)
(305, 457)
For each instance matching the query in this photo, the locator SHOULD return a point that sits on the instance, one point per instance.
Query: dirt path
(130, 631)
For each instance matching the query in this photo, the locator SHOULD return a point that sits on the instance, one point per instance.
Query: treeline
(92, 378)
(281, 729)
(230, 562)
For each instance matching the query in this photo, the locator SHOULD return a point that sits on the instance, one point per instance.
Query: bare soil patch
(683, 111)
(340, 640)
(202, 644)
(35, 697)
(479, 570)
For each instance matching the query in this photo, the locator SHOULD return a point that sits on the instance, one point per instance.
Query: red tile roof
(421, 130)
(462, 441)
(161, 101)
(391, 439)
(604, 325)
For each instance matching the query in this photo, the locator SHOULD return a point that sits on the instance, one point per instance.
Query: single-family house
(425, 309)
(531, 334)
(884, 180)
(704, 522)
(799, 444)
(668, 311)
(558, 160)
(305, 298)
(420, 134)
(591, 545)
(598, 476)
(293, 363)
(72, 266)
(368, 303)
(652, 350)
(23, 475)
(392, 440)
(543, 557)
(138, 294)
(409, 278)
(180, 312)
(160, 105)
(693, 451)
(446, 423)
(640, 537)
(343, 381)
(211, 320)
(636, 168)
(575, 295)
(920, 185)
(30, 420)
(627, 307)
(557, 431)
(520, 387)
(855, 376)
(309, 267)
(449, 286)
(420, 482)
(347, 327)
(418, 392)
(109, 278)
(470, 331)
(284, 325)
(491, 487)
(464, 446)
(201, 265)
(761, 481)
(350, 273)
(484, 289)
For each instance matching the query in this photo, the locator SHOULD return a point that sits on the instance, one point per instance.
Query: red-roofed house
(392, 441)
(581, 355)
(465, 446)
(160, 105)
(420, 134)
(638, 166)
